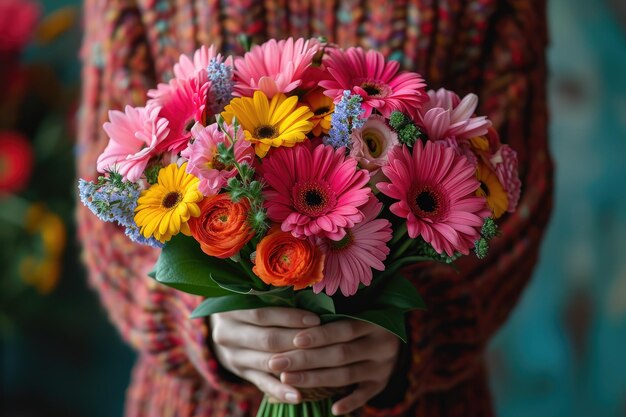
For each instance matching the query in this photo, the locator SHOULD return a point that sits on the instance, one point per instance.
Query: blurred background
(562, 352)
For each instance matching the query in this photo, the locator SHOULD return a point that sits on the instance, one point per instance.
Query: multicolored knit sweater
(492, 47)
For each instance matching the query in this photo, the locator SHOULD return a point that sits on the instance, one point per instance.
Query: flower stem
(402, 248)
(398, 234)
(320, 408)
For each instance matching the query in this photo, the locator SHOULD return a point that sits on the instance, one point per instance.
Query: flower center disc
(429, 202)
(484, 188)
(321, 110)
(374, 89)
(266, 132)
(171, 199)
(217, 164)
(337, 246)
(190, 123)
(373, 143)
(370, 89)
(313, 198)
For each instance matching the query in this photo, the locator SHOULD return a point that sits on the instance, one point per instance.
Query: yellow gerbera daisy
(322, 107)
(491, 189)
(164, 209)
(279, 122)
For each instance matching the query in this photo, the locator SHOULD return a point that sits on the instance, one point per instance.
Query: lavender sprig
(222, 84)
(345, 118)
(113, 200)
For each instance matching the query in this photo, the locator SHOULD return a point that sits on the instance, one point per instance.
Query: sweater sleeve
(465, 309)
(150, 317)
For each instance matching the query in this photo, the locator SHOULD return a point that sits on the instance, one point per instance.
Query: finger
(331, 377)
(272, 386)
(245, 336)
(358, 398)
(332, 333)
(276, 317)
(333, 356)
(249, 359)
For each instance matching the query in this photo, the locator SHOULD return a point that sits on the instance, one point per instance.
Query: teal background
(560, 354)
(563, 351)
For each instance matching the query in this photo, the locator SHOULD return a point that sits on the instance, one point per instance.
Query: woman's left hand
(342, 353)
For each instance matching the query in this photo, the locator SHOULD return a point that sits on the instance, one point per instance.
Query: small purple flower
(345, 119)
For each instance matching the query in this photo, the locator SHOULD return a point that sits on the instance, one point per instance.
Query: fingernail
(311, 320)
(303, 340)
(291, 397)
(278, 364)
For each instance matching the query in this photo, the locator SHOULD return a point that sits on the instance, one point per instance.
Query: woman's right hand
(245, 340)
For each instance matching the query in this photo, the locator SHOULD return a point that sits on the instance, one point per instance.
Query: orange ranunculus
(283, 260)
(222, 227)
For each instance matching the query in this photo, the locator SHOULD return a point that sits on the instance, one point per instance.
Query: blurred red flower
(16, 161)
(18, 19)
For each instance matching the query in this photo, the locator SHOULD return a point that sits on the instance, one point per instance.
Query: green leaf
(384, 303)
(278, 296)
(316, 303)
(183, 265)
(390, 319)
(228, 303)
(399, 293)
(402, 262)
(238, 283)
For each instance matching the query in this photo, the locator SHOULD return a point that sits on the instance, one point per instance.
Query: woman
(217, 367)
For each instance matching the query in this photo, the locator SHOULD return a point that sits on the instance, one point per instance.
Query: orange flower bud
(222, 227)
(283, 260)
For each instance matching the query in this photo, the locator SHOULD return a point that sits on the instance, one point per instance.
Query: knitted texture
(493, 48)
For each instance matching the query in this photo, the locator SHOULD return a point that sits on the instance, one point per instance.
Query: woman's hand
(245, 341)
(338, 354)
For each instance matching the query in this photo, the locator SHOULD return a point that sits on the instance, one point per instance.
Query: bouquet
(306, 176)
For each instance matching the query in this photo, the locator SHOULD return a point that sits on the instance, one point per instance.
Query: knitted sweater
(494, 48)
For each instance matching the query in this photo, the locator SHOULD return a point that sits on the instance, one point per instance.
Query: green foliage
(397, 120)
(228, 285)
(152, 173)
(489, 229)
(488, 232)
(226, 154)
(229, 303)
(245, 41)
(243, 185)
(481, 248)
(183, 265)
(425, 249)
(407, 131)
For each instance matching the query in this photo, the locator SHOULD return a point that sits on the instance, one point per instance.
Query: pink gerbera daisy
(436, 188)
(349, 262)
(274, 67)
(134, 137)
(314, 191)
(445, 116)
(183, 104)
(203, 157)
(187, 68)
(505, 164)
(378, 81)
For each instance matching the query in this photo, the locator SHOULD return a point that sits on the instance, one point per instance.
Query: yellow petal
(184, 228)
(284, 109)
